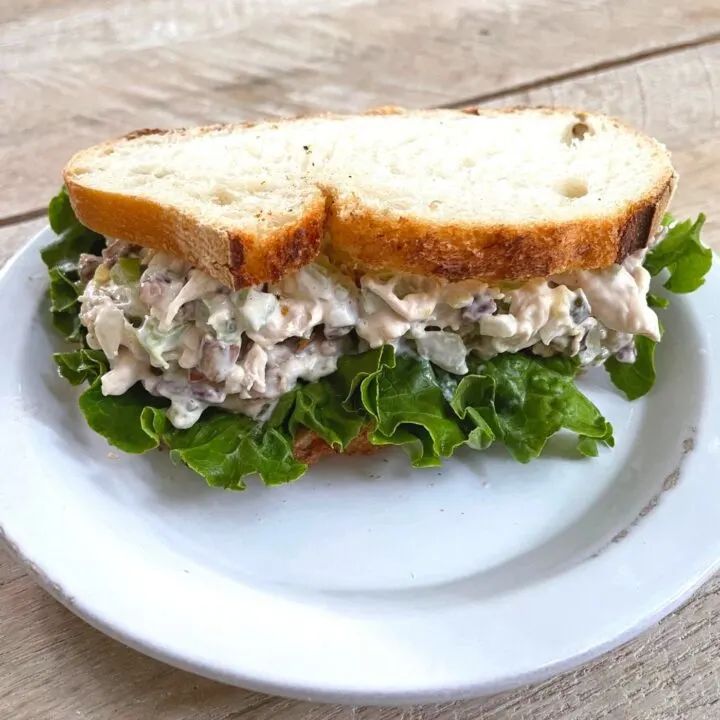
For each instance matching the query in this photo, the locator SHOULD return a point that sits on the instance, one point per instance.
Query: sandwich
(255, 297)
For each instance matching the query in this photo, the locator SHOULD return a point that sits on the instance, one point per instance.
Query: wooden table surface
(73, 72)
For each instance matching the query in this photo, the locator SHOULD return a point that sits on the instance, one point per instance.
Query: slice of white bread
(494, 194)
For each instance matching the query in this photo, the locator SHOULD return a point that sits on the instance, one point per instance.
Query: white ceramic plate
(366, 581)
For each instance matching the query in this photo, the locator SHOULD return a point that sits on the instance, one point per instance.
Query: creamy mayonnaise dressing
(186, 337)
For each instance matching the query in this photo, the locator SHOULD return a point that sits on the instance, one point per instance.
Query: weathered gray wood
(74, 73)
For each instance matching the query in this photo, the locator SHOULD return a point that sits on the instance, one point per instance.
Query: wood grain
(75, 72)
(155, 63)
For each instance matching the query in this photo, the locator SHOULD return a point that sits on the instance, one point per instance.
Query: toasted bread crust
(309, 448)
(229, 257)
(362, 240)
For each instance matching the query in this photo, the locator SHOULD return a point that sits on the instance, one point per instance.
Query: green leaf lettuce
(61, 258)
(637, 378)
(687, 261)
(683, 254)
(522, 401)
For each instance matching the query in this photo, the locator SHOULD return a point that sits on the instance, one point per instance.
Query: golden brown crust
(290, 248)
(363, 240)
(645, 220)
(231, 257)
(309, 448)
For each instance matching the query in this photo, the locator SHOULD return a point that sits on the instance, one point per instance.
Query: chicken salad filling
(191, 340)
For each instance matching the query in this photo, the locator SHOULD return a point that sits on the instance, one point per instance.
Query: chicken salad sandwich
(254, 297)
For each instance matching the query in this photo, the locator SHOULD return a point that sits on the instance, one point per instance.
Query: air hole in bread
(576, 132)
(573, 188)
(580, 130)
